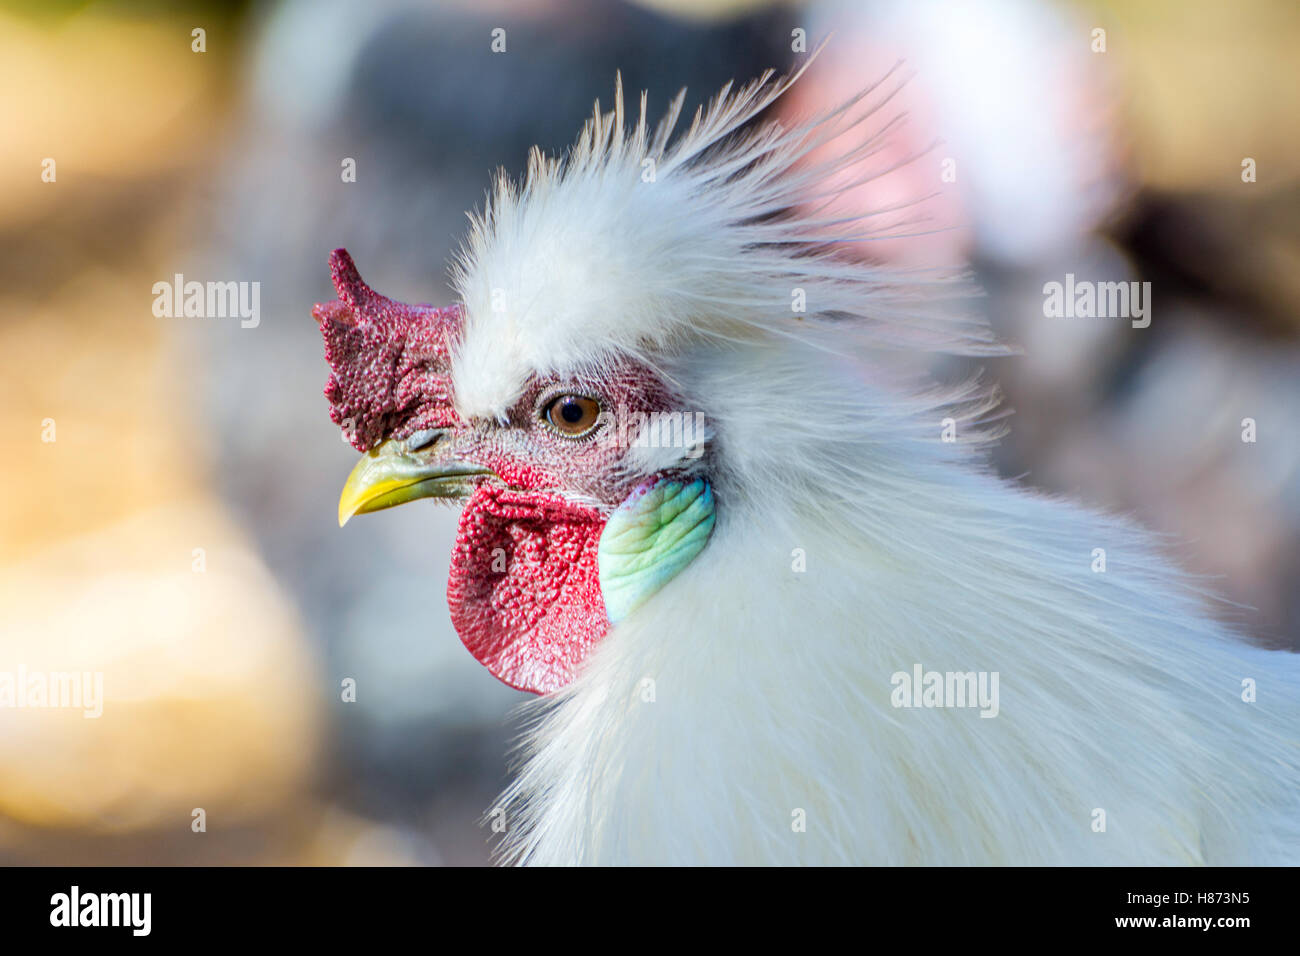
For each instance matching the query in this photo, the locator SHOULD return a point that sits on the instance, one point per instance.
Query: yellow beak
(389, 475)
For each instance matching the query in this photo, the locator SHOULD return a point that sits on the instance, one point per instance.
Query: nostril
(424, 438)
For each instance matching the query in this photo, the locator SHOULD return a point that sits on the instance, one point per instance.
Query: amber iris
(572, 415)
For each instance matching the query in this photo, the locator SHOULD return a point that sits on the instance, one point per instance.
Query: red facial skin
(524, 588)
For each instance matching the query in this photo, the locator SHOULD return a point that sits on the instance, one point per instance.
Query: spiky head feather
(635, 243)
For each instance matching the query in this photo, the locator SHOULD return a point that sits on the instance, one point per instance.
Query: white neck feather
(748, 696)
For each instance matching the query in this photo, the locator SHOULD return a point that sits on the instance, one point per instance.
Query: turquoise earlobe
(650, 537)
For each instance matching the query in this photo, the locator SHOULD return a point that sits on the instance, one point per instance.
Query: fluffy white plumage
(771, 687)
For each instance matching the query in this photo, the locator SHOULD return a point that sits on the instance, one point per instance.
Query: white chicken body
(745, 714)
(749, 698)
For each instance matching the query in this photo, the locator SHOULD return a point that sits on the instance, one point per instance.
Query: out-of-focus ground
(168, 494)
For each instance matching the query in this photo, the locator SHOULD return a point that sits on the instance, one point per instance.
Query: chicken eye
(572, 415)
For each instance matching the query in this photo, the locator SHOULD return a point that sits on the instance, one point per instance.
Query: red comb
(390, 361)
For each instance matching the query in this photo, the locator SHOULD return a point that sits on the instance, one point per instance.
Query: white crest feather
(634, 241)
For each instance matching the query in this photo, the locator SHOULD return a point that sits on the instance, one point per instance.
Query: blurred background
(168, 497)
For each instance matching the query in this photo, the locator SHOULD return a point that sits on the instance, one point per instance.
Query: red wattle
(524, 589)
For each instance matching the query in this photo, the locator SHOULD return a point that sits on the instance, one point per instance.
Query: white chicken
(776, 616)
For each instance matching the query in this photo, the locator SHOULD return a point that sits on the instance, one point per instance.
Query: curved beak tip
(386, 477)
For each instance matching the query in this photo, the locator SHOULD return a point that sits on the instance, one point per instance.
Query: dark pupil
(571, 411)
